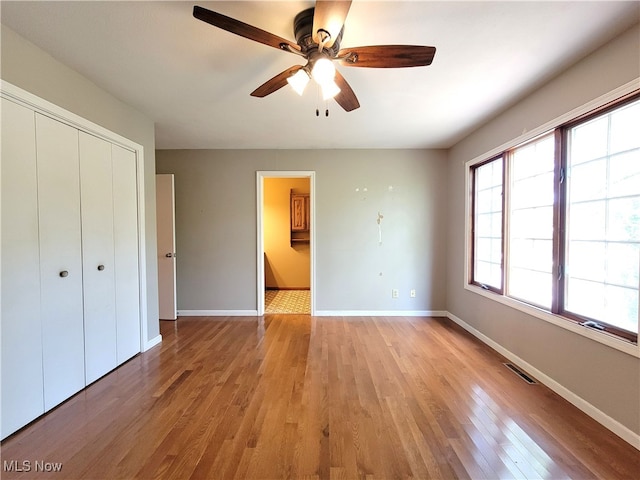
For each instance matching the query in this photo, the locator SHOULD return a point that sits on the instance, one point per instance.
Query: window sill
(595, 335)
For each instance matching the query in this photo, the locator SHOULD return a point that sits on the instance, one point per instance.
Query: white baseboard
(616, 427)
(152, 343)
(217, 313)
(381, 313)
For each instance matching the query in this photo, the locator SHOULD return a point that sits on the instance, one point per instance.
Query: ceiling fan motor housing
(303, 29)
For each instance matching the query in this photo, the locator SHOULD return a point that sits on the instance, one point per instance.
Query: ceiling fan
(318, 32)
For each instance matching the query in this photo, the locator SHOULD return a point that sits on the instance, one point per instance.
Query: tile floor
(287, 301)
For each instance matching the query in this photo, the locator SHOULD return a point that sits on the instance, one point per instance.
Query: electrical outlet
(412, 293)
(395, 293)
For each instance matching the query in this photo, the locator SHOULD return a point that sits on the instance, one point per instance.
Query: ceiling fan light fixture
(323, 71)
(329, 89)
(318, 31)
(298, 81)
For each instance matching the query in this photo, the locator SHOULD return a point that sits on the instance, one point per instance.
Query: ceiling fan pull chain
(317, 100)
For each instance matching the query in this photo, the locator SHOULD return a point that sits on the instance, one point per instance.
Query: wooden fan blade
(387, 56)
(329, 15)
(276, 83)
(346, 98)
(243, 29)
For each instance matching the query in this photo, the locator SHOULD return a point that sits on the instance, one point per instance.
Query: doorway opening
(286, 246)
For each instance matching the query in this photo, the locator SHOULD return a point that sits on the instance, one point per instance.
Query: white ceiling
(193, 80)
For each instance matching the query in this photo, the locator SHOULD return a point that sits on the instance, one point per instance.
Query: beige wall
(287, 265)
(33, 70)
(602, 376)
(216, 216)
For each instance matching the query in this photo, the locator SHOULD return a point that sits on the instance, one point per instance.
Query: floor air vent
(520, 373)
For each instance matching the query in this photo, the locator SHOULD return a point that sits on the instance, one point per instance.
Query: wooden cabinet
(299, 212)
(300, 218)
(70, 270)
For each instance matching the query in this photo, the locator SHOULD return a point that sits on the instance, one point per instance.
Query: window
(556, 221)
(487, 221)
(602, 245)
(531, 222)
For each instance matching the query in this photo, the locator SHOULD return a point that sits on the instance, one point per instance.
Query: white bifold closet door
(70, 263)
(21, 351)
(98, 262)
(60, 260)
(127, 282)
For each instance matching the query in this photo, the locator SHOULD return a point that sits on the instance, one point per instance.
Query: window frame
(492, 288)
(508, 167)
(564, 133)
(557, 314)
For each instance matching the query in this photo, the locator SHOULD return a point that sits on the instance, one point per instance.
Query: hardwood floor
(294, 396)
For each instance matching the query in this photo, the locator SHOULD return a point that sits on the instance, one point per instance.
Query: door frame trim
(260, 284)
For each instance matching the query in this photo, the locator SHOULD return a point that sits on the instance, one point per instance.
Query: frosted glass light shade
(323, 71)
(298, 81)
(329, 90)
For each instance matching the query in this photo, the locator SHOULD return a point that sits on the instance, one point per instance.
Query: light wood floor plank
(300, 397)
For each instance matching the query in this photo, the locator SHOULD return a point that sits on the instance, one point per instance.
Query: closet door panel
(60, 259)
(21, 357)
(125, 211)
(97, 256)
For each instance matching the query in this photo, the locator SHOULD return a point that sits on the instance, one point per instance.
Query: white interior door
(60, 259)
(165, 211)
(98, 263)
(21, 351)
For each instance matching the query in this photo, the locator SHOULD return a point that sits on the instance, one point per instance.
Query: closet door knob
(64, 273)
(100, 267)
